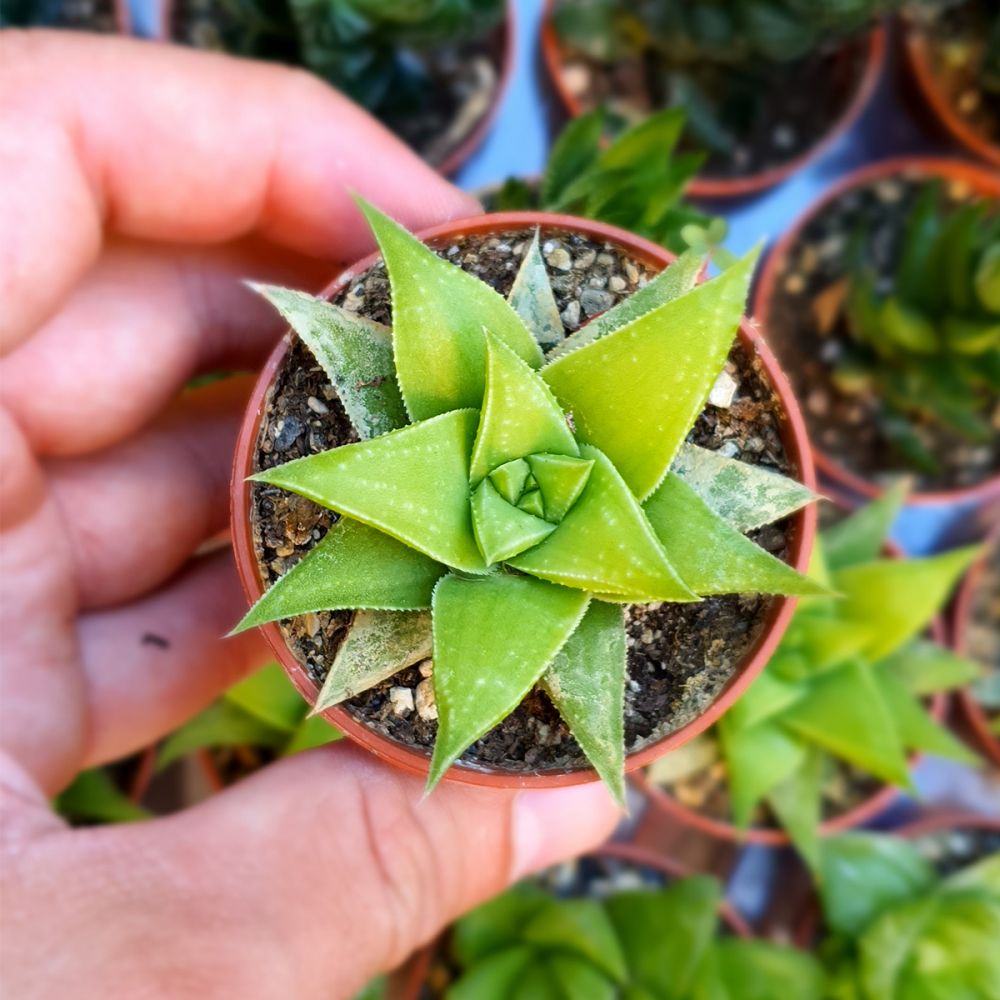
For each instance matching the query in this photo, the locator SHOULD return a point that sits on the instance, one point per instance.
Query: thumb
(346, 868)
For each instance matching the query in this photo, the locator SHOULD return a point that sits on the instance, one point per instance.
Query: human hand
(137, 184)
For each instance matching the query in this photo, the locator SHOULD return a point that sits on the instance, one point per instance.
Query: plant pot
(946, 115)
(979, 723)
(409, 983)
(976, 179)
(774, 621)
(501, 45)
(809, 923)
(736, 187)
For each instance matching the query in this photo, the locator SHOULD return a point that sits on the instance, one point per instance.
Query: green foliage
(847, 679)
(94, 797)
(530, 495)
(636, 181)
(263, 711)
(928, 345)
(899, 932)
(655, 944)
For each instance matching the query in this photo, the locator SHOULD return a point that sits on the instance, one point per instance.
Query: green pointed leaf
(862, 537)
(494, 978)
(578, 978)
(758, 758)
(586, 682)
(925, 668)
(510, 478)
(917, 730)
(677, 280)
(269, 695)
(501, 530)
(353, 566)
(412, 484)
(637, 392)
(846, 715)
(498, 923)
(709, 555)
(222, 724)
(744, 495)
(824, 639)
(355, 353)
(533, 300)
(561, 479)
(472, 634)
(532, 503)
(739, 969)
(520, 415)
(582, 927)
(438, 316)
(312, 732)
(93, 797)
(901, 595)
(378, 645)
(797, 804)
(606, 544)
(768, 696)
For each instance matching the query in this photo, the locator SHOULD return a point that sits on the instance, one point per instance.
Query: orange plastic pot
(412, 979)
(919, 59)
(802, 524)
(736, 187)
(981, 181)
(977, 719)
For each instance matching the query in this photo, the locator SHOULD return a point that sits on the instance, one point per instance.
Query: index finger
(165, 143)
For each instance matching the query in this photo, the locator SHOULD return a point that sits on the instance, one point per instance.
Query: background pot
(947, 117)
(980, 180)
(802, 529)
(408, 984)
(977, 719)
(736, 187)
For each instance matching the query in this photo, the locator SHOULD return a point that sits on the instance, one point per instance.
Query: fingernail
(552, 824)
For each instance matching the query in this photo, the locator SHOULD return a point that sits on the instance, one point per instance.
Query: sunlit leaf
(586, 682)
(269, 695)
(353, 566)
(861, 537)
(411, 484)
(533, 300)
(560, 480)
(439, 313)
(222, 724)
(312, 732)
(355, 353)
(93, 797)
(925, 668)
(378, 645)
(797, 803)
(655, 376)
(502, 530)
(473, 633)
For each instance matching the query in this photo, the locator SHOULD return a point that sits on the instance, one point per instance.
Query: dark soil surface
(459, 83)
(806, 332)
(950, 850)
(982, 635)
(680, 655)
(956, 35)
(772, 113)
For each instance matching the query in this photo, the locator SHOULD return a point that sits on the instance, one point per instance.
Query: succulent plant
(503, 505)
(847, 679)
(94, 797)
(651, 944)
(636, 182)
(927, 342)
(899, 931)
(263, 712)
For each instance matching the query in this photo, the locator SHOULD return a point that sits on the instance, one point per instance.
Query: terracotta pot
(950, 121)
(737, 187)
(809, 923)
(979, 723)
(506, 43)
(802, 532)
(982, 181)
(409, 982)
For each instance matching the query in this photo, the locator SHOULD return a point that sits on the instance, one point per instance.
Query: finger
(136, 513)
(327, 868)
(214, 149)
(152, 664)
(142, 322)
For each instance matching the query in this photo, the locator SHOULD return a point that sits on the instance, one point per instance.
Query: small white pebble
(426, 668)
(723, 391)
(426, 708)
(317, 405)
(401, 700)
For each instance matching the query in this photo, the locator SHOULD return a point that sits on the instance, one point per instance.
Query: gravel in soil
(680, 656)
(982, 635)
(458, 83)
(956, 37)
(951, 850)
(809, 336)
(794, 105)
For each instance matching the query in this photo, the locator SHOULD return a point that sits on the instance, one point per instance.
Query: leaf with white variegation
(532, 298)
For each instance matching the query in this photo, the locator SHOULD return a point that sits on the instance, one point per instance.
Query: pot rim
(412, 759)
(918, 58)
(736, 187)
(982, 180)
(977, 719)
(414, 973)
